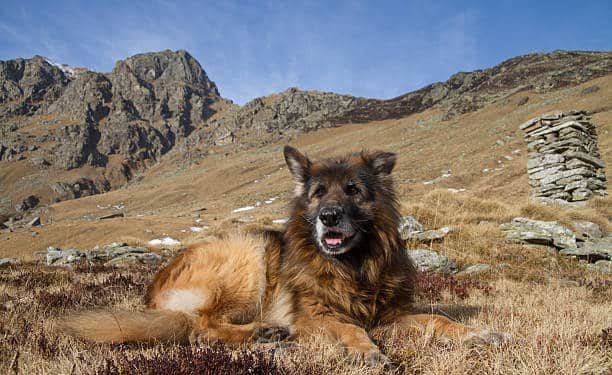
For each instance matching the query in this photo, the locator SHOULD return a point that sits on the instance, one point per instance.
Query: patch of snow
(508, 157)
(164, 241)
(280, 221)
(68, 70)
(270, 200)
(453, 190)
(445, 174)
(242, 209)
(196, 229)
(517, 151)
(485, 170)
(198, 220)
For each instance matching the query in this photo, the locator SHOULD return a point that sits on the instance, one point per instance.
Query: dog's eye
(320, 192)
(352, 189)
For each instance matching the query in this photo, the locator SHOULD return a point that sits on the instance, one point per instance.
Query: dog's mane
(379, 263)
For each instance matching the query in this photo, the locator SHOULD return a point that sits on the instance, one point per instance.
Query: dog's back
(208, 285)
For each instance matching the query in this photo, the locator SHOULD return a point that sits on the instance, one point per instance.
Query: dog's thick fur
(338, 280)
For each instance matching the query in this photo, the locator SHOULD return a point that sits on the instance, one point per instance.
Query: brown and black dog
(338, 270)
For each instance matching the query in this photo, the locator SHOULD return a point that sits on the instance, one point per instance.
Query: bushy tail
(121, 326)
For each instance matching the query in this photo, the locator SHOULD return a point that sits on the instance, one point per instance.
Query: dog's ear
(299, 166)
(381, 162)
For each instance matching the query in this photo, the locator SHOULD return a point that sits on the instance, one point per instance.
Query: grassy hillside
(558, 312)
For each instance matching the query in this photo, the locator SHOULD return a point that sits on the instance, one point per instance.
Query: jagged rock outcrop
(75, 146)
(87, 98)
(167, 87)
(81, 117)
(138, 142)
(82, 187)
(27, 85)
(27, 203)
(294, 109)
(138, 110)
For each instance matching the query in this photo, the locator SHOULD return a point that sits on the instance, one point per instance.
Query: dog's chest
(353, 301)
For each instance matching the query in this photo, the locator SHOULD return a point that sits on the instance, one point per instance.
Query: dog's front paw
(377, 359)
(487, 337)
(266, 334)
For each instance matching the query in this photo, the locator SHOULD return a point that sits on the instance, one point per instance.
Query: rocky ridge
(294, 110)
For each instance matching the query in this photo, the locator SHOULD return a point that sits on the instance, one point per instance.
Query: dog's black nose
(330, 216)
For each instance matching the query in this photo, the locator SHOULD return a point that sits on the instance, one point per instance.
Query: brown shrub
(431, 285)
(216, 359)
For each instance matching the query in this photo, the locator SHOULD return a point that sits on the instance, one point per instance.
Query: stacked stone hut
(564, 164)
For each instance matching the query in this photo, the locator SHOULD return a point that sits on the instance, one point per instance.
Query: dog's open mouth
(335, 242)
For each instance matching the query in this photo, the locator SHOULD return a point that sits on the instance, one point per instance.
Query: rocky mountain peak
(28, 84)
(167, 67)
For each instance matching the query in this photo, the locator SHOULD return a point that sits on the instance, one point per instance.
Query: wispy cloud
(356, 47)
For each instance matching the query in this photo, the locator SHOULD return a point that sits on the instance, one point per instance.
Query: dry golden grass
(555, 310)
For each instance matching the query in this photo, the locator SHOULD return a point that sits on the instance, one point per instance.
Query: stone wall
(564, 164)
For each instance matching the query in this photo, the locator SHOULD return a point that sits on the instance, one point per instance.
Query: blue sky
(252, 48)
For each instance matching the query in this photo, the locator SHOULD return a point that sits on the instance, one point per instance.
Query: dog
(338, 270)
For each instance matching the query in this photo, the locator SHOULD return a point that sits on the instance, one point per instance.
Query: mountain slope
(65, 136)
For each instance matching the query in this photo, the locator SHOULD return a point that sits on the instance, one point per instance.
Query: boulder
(476, 269)
(27, 204)
(409, 226)
(135, 258)
(592, 250)
(432, 235)
(523, 230)
(58, 257)
(430, 261)
(586, 229)
(8, 261)
(604, 266)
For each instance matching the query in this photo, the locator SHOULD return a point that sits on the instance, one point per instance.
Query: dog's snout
(330, 216)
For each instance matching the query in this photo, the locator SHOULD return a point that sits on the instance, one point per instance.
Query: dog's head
(344, 200)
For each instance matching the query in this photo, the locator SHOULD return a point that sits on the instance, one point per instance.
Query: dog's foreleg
(354, 338)
(442, 327)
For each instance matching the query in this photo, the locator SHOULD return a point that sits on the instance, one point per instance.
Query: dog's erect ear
(381, 162)
(299, 166)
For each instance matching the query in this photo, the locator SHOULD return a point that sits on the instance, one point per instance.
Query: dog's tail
(122, 326)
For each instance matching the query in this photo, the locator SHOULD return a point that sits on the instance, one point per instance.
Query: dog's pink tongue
(333, 241)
